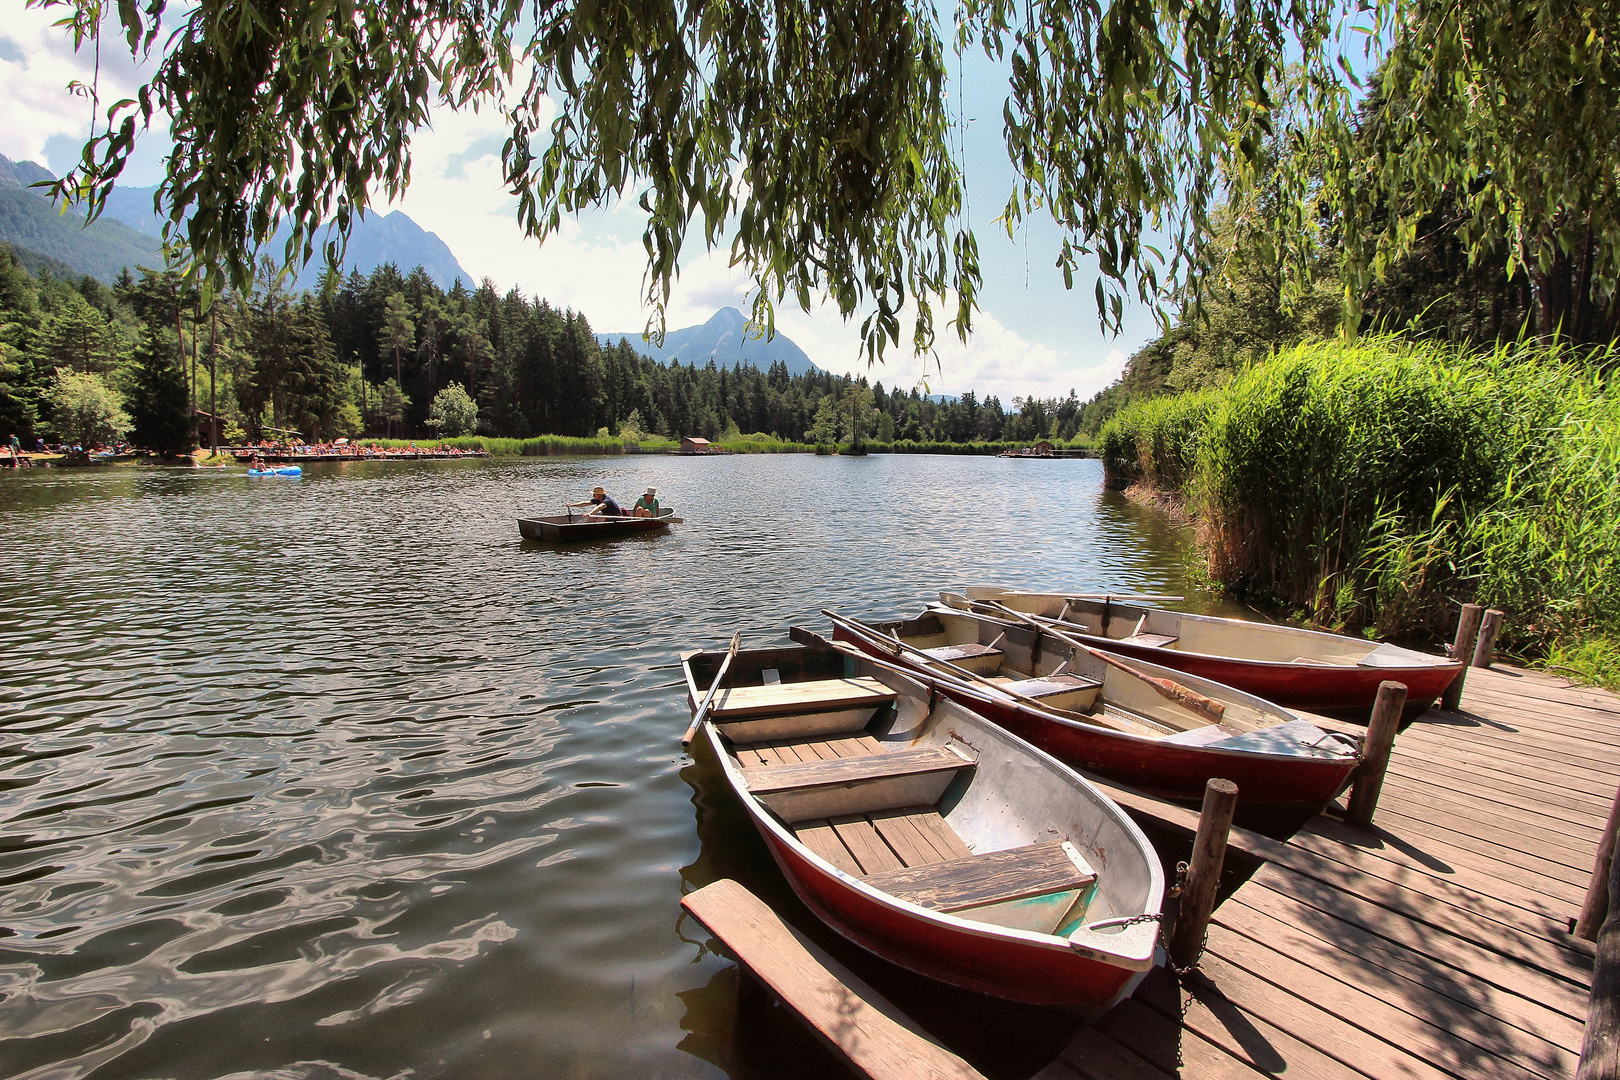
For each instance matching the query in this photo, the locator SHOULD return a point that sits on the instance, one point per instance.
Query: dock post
(1204, 874)
(1489, 627)
(1596, 905)
(1369, 782)
(1600, 1048)
(1463, 649)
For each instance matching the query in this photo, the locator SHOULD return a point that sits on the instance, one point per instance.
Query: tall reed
(1377, 484)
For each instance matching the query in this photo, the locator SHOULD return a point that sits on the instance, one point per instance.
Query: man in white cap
(647, 505)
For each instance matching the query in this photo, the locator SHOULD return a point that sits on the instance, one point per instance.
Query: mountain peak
(727, 338)
(21, 173)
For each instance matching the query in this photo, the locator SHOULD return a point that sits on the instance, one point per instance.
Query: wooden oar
(703, 707)
(963, 674)
(1184, 696)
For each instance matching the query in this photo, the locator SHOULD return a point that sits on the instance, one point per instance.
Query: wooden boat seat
(996, 877)
(1072, 692)
(857, 785)
(1155, 641)
(979, 659)
(820, 695)
(776, 711)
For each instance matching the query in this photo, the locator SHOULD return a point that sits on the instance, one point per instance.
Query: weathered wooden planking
(1531, 1005)
(994, 877)
(864, 842)
(849, 1016)
(1433, 946)
(908, 836)
(1462, 1048)
(823, 694)
(1510, 960)
(815, 773)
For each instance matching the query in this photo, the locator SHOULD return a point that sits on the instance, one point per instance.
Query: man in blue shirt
(601, 503)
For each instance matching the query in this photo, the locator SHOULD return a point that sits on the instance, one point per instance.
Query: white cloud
(45, 121)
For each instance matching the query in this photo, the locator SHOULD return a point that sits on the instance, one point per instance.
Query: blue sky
(1032, 336)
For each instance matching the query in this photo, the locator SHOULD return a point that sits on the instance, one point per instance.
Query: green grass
(542, 446)
(1378, 484)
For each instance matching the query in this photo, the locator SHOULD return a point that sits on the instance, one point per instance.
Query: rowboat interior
(1209, 635)
(1039, 668)
(875, 779)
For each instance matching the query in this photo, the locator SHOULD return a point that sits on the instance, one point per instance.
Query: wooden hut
(692, 445)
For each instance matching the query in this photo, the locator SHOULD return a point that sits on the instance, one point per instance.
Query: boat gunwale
(989, 931)
(1436, 663)
(981, 693)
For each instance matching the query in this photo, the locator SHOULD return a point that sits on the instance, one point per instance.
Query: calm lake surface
(340, 778)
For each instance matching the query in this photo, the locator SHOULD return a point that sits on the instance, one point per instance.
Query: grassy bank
(1377, 485)
(540, 446)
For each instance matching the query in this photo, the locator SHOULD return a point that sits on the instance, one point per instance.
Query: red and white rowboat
(927, 835)
(1127, 726)
(1331, 674)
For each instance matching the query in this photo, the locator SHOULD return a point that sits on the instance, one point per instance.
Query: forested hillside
(388, 354)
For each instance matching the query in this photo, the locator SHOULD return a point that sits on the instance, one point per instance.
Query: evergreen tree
(157, 404)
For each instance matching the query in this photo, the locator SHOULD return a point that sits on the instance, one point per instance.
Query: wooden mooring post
(1490, 626)
(1596, 906)
(1463, 649)
(1600, 1047)
(1369, 782)
(1203, 873)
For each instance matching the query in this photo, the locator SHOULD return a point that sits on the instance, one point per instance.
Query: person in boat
(647, 505)
(601, 504)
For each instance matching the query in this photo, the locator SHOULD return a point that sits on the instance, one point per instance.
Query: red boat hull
(1344, 692)
(1284, 787)
(1014, 970)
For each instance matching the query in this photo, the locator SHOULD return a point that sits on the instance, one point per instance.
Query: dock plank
(848, 1015)
(1434, 946)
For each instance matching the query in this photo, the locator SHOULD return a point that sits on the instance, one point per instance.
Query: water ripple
(341, 779)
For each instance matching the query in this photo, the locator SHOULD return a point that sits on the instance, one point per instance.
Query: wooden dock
(1434, 947)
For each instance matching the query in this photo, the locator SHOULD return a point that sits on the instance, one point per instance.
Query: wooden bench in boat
(1156, 641)
(857, 785)
(1072, 692)
(979, 659)
(798, 709)
(855, 1021)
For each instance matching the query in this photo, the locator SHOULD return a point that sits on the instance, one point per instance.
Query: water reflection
(343, 778)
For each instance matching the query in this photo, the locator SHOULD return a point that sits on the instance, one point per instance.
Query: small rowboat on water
(1145, 726)
(1302, 669)
(567, 528)
(925, 834)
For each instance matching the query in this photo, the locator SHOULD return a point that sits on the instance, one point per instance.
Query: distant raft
(280, 470)
(566, 529)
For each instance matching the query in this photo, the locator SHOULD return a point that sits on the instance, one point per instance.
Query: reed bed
(1376, 485)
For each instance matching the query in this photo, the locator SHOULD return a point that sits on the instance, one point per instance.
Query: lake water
(340, 778)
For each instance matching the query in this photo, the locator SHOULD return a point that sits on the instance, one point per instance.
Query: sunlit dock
(1437, 945)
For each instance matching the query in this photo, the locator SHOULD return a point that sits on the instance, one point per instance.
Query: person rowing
(601, 504)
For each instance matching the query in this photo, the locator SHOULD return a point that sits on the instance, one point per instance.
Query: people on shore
(647, 505)
(601, 503)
